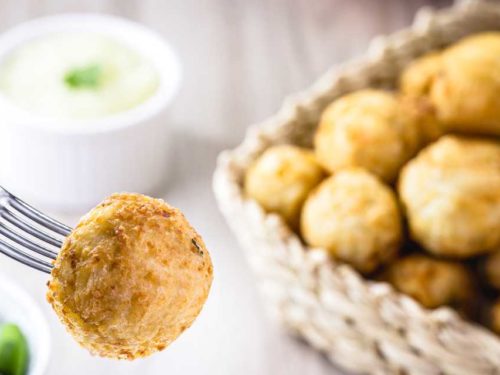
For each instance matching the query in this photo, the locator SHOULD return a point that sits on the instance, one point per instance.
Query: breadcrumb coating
(432, 282)
(281, 178)
(130, 278)
(451, 194)
(462, 83)
(355, 217)
(371, 129)
(418, 76)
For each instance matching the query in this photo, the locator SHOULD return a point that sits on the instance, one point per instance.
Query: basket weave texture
(364, 326)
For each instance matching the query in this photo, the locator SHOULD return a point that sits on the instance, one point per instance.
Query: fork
(27, 235)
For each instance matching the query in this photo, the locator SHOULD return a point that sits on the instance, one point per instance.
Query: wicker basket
(362, 325)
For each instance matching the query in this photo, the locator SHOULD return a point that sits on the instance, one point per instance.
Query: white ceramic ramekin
(16, 306)
(70, 166)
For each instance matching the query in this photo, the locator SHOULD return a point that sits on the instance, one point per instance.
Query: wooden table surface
(240, 59)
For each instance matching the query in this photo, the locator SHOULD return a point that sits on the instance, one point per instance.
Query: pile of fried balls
(404, 185)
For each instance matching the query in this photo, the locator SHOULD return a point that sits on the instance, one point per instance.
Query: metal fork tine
(18, 222)
(39, 217)
(24, 258)
(7, 232)
(27, 235)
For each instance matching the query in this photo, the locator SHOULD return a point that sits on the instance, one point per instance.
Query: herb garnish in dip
(77, 76)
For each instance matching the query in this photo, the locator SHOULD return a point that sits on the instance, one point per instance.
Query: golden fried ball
(368, 129)
(424, 115)
(451, 193)
(418, 76)
(130, 278)
(415, 83)
(281, 178)
(492, 270)
(355, 217)
(432, 282)
(463, 84)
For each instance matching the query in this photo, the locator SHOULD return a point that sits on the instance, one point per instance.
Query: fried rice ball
(368, 129)
(492, 270)
(281, 178)
(417, 77)
(424, 116)
(415, 83)
(451, 194)
(130, 278)
(355, 217)
(463, 84)
(432, 282)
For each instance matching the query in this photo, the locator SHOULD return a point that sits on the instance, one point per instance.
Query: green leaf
(87, 77)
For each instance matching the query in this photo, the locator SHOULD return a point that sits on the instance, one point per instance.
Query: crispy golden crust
(281, 178)
(355, 217)
(466, 93)
(415, 83)
(130, 278)
(368, 129)
(432, 282)
(418, 76)
(423, 114)
(462, 83)
(451, 193)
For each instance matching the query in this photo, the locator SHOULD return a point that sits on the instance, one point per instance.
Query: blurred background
(240, 59)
